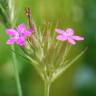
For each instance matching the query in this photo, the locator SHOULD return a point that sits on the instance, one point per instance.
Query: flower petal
(60, 31)
(21, 28)
(78, 38)
(11, 41)
(11, 31)
(27, 33)
(71, 41)
(69, 31)
(61, 37)
(21, 41)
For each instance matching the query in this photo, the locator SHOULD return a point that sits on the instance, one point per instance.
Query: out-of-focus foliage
(80, 79)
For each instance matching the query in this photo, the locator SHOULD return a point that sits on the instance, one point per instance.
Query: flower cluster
(46, 54)
(40, 49)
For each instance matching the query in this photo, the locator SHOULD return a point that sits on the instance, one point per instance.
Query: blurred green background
(80, 79)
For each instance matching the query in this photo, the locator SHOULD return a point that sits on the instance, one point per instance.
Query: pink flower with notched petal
(68, 35)
(19, 34)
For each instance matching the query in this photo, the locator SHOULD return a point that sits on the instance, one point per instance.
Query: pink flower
(18, 35)
(68, 35)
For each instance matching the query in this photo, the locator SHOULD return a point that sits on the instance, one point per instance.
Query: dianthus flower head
(19, 34)
(68, 35)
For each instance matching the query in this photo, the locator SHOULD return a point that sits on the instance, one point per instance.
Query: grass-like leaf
(59, 71)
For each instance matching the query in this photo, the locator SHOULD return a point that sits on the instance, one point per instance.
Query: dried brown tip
(28, 12)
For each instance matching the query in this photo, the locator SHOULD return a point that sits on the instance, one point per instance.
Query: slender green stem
(16, 73)
(47, 88)
(11, 11)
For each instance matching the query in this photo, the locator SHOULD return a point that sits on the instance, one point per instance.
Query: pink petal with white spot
(78, 38)
(11, 41)
(60, 31)
(71, 41)
(21, 28)
(61, 37)
(11, 32)
(69, 32)
(21, 41)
